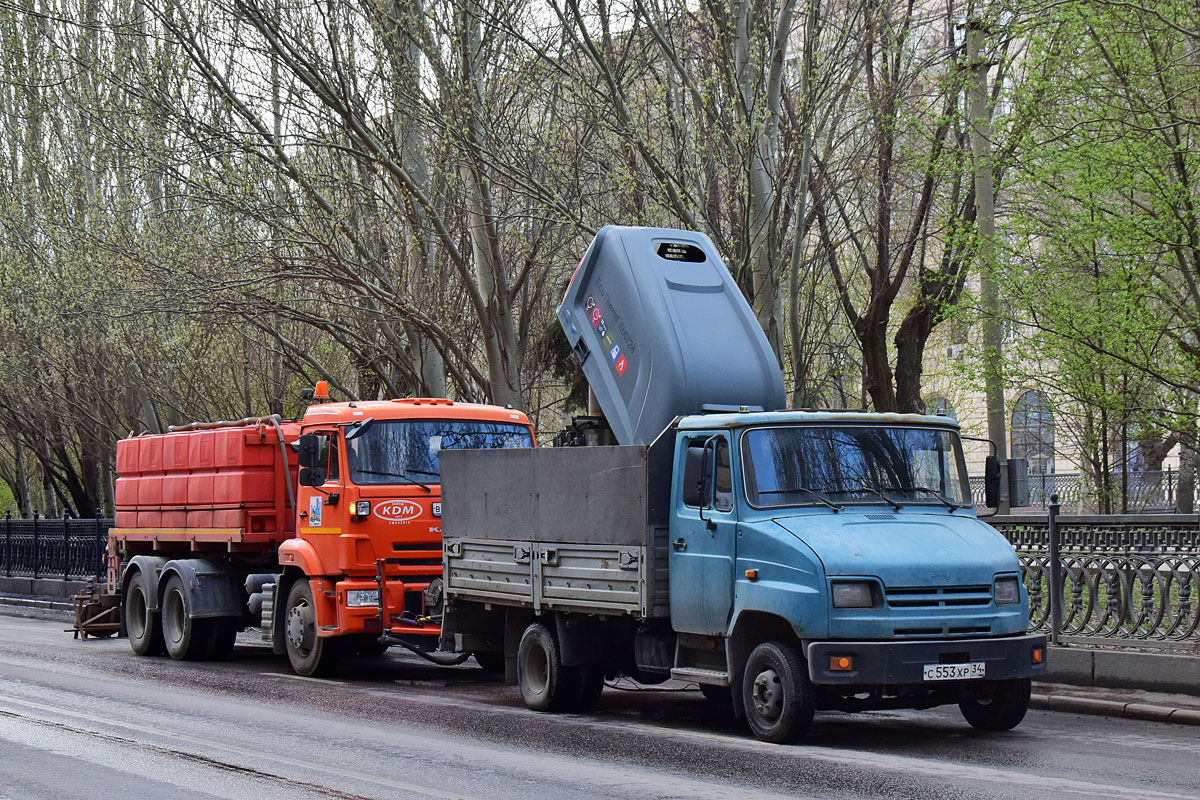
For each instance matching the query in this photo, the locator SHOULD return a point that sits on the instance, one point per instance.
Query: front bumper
(902, 663)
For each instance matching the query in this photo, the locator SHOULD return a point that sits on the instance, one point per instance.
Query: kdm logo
(398, 510)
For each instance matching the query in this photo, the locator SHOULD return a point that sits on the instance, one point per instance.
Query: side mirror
(309, 450)
(695, 476)
(312, 476)
(991, 482)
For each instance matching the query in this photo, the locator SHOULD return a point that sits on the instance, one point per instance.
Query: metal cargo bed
(579, 529)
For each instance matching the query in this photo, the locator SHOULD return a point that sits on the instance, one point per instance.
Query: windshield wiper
(953, 505)
(881, 495)
(402, 476)
(822, 499)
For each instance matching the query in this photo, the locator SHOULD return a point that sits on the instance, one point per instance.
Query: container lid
(662, 330)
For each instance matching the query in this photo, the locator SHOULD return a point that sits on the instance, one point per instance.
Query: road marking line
(293, 677)
(248, 754)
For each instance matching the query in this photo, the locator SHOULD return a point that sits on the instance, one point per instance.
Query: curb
(1115, 708)
(37, 608)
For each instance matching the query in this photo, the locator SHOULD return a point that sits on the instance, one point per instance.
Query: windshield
(853, 464)
(390, 451)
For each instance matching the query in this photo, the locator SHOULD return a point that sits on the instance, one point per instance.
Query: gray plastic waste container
(662, 330)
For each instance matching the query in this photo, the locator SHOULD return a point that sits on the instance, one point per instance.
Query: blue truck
(785, 561)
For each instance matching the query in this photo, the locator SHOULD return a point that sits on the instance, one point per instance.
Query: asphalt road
(88, 719)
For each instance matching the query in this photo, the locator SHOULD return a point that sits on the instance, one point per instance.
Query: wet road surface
(88, 719)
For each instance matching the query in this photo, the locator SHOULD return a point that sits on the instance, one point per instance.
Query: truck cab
(368, 529)
(850, 541)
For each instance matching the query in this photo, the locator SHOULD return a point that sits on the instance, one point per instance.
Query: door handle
(679, 544)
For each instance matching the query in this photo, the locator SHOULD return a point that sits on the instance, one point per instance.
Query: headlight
(358, 598)
(1008, 591)
(362, 508)
(852, 595)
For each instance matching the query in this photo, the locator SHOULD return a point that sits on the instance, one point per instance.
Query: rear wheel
(186, 639)
(546, 685)
(997, 705)
(778, 695)
(141, 624)
(309, 654)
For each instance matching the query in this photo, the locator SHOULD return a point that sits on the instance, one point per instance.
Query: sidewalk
(1072, 694)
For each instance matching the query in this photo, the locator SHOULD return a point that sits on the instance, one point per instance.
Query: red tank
(228, 478)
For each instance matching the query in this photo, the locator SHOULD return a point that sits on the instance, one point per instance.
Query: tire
(997, 705)
(778, 695)
(309, 654)
(186, 639)
(546, 685)
(490, 661)
(222, 634)
(140, 623)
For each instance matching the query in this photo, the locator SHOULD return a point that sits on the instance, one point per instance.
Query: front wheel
(997, 705)
(777, 693)
(309, 654)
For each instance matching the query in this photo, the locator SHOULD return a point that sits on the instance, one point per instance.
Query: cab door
(318, 507)
(703, 537)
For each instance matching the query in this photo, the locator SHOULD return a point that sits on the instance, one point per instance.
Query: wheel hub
(300, 627)
(537, 669)
(136, 614)
(767, 694)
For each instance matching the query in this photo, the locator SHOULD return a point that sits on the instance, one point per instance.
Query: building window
(1033, 433)
(940, 407)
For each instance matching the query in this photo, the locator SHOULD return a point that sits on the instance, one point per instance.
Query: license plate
(954, 672)
(437, 509)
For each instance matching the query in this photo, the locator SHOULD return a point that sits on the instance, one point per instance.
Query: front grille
(419, 559)
(938, 596)
(972, 630)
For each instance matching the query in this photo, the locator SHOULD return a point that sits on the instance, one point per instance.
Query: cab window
(723, 477)
(327, 454)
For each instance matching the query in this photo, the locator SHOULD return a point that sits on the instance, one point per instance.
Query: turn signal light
(841, 663)
(752, 574)
(1039, 655)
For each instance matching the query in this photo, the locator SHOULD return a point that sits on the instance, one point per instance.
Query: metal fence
(1119, 579)
(1148, 490)
(1111, 580)
(70, 549)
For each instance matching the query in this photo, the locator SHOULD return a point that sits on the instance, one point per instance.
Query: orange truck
(324, 532)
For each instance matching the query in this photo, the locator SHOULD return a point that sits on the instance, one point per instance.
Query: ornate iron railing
(1147, 490)
(70, 549)
(1120, 579)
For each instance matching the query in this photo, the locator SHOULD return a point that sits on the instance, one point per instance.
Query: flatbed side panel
(489, 571)
(548, 576)
(580, 495)
(592, 577)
